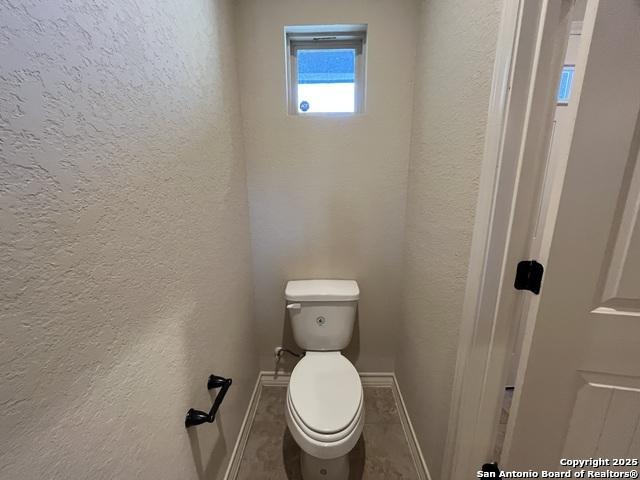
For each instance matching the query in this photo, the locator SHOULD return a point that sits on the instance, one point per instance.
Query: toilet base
(314, 468)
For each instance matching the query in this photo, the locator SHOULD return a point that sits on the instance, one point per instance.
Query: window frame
(324, 37)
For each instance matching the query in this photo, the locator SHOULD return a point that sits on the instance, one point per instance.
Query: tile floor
(381, 453)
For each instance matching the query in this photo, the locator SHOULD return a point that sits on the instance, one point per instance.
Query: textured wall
(328, 193)
(453, 76)
(124, 266)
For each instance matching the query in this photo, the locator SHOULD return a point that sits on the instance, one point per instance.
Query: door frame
(530, 51)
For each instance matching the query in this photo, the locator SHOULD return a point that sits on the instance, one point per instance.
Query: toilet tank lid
(322, 291)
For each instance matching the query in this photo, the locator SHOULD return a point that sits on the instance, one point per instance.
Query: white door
(578, 387)
(560, 130)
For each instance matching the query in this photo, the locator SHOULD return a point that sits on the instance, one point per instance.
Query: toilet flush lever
(294, 306)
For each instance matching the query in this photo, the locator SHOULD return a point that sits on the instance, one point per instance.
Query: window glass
(566, 82)
(326, 80)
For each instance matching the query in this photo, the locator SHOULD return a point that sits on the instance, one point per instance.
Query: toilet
(324, 408)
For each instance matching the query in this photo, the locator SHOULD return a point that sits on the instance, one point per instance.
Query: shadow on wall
(210, 468)
(287, 362)
(329, 251)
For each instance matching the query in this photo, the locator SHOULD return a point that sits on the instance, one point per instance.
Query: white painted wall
(124, 267)
(328, 193)
(456, 51)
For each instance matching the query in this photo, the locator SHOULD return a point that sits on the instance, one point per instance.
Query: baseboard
(273, 379)
(414, 445)
(243, 434)
(369, 379)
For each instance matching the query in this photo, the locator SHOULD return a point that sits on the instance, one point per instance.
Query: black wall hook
(196, 417)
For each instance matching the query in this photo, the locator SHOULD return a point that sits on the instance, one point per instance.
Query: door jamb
(521, 108)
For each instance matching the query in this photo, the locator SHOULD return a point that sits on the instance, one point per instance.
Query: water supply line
(279, 351)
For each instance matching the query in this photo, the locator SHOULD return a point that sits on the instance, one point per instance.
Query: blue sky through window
(326, 66)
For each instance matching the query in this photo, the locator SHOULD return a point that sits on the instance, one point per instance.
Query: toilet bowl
(325, 406)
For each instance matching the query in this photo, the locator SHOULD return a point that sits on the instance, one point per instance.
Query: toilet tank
(322, 312)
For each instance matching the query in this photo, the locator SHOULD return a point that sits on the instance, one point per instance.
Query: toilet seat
(325, 405)
(325, 391)
(323, 437)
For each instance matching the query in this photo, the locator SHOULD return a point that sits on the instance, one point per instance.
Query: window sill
(326, 114)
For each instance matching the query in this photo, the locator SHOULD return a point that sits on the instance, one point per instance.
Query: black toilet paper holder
(197, 417)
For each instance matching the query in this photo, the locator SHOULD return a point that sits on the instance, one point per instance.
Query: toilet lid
(325, 391)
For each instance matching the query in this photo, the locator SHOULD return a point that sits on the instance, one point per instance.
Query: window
(325, 68)
(566, 82)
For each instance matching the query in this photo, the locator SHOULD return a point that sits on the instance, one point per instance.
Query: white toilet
(324, 408)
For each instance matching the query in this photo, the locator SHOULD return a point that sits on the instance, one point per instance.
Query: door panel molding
(621, 289)
(605, 418)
